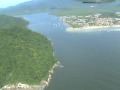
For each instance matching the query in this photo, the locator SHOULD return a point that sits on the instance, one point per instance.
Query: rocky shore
(41, 86)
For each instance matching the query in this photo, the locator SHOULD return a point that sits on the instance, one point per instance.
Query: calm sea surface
(91, 60)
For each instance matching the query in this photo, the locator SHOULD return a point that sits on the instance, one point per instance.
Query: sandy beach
(92, 28)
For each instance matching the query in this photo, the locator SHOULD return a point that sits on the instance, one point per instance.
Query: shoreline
(43, 83)
(92, 28)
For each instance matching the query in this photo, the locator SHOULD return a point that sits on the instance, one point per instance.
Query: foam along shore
(90, 28)
(43, 83)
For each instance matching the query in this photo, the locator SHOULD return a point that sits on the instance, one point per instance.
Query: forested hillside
(9, 21)
(25, 56)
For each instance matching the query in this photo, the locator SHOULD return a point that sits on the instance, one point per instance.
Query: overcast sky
(7, 3)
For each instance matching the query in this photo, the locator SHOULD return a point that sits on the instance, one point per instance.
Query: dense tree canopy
(25, 56)
(9, 21)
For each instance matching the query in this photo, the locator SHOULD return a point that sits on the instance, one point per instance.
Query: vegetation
(9, 21)
(82, 12)
(90, 20)
(63, 7)
(25, 56)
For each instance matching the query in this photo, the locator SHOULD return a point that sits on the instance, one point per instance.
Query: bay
(91, 60)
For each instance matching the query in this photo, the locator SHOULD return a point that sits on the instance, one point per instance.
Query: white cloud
(7, 3)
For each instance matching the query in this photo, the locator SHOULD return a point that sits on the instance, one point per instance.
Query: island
(26, 58)
(90, 22)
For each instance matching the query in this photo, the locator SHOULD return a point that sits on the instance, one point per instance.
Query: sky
(7, 3)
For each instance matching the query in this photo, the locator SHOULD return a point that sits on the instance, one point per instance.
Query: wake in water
(60, 65)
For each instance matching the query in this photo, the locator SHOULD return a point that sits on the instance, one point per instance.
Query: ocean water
(91, 60)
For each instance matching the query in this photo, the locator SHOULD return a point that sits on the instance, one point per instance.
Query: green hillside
(9, 21)
(25, 56)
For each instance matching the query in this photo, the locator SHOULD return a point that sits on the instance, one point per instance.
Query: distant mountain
(35, 6)
(60, 7)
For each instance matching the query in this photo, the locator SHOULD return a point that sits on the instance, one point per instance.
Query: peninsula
(90, 22)
(26, 57)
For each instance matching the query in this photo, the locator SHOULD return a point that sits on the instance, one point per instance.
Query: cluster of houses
(90, 20)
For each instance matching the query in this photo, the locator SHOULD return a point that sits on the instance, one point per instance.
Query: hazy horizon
(8, 3)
